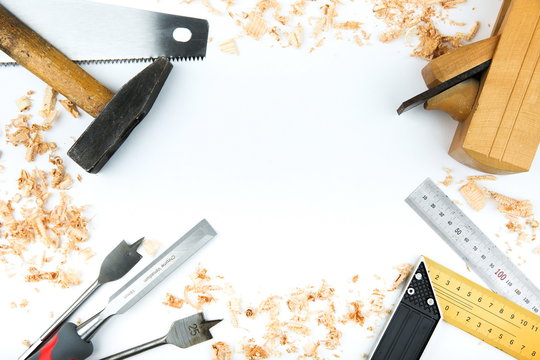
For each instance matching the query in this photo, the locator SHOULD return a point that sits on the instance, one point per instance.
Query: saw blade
(90, 32)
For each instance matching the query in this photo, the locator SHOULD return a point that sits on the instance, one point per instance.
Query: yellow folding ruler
(485, 314)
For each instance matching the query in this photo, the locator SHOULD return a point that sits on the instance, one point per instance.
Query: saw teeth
(118, 61)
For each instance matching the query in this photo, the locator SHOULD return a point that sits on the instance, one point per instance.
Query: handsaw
(90, 32)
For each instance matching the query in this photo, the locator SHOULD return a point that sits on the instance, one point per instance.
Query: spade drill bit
(183, 333)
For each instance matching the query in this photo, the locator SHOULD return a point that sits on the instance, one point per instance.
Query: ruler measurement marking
(521, 341)
(479, 317)
(473, 245)
(450, 295)
(439, 287)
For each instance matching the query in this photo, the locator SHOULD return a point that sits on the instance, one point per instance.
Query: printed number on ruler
(473, 245)
(485, 314)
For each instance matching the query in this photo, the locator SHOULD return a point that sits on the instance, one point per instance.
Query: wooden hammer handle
(37, 55)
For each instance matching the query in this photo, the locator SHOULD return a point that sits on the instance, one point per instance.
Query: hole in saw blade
(182, 34)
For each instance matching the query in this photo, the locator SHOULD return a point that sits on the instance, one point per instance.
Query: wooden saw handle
(37, 55)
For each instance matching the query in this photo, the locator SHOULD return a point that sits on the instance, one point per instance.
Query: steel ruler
(476, 249)
(485, 314)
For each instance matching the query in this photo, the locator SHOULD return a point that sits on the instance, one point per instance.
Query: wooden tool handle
(37, 55)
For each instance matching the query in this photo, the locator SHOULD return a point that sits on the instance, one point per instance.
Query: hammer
(115, 115)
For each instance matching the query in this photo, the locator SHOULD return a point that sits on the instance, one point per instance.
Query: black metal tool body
(428, 94)
(126, 110)
(413, 321)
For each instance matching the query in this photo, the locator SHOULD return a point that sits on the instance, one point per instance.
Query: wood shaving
(355, 278)
(481, 177)
(56, 224)
(221, 351)
(404, 271)
(173, 301)
(199, 293)
(295, 37)
(48, 109)
(151, 247)
(508, 205)
(448, 179)
(400, 16)
(254, 352)
(70, 107)
(26, 343)
(23, 103)
(355, 313)
(256, 26)
(474, 195)
(229, 47)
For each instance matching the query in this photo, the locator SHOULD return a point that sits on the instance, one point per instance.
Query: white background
(298, 160)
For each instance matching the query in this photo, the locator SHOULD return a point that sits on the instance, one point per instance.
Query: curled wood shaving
(508, 205)
(23, 103)
(400, 16)
(295, 37)
(254, 352)
(355, 313)
(173, 301)
(404, 270)
(221, 351)
(26, 343)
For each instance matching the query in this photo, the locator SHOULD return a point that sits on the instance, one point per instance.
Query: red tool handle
(66, 344)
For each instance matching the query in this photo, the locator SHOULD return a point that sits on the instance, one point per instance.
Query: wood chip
(229, 47)
(173, 301)
(221, 351)
(70, 107)
(23, 103)
(151, 247)
(404, 271)
(295, 37)
(474, 195)
(448, 179)
(256, 26)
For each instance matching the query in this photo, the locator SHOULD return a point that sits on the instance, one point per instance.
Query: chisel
(72, 342)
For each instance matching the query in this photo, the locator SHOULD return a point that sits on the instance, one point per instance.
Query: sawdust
(221, 351)
(420, 17)
(40, 229)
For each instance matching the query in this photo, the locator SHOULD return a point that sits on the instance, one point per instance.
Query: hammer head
(126, 110)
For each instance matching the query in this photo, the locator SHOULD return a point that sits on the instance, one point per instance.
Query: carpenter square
(86, 31)
(413, 320)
